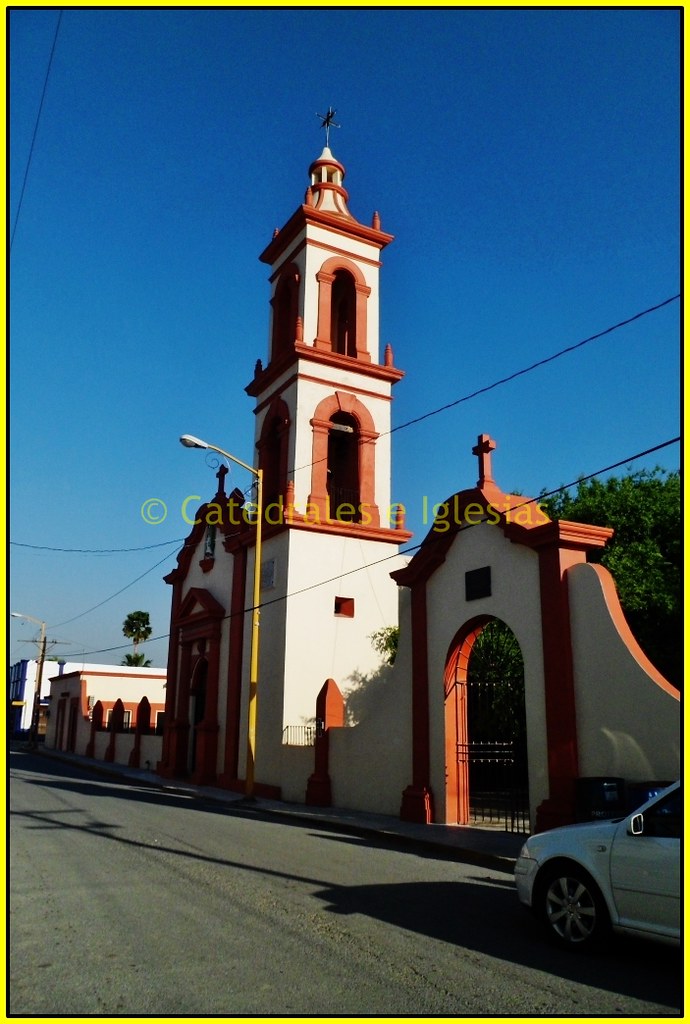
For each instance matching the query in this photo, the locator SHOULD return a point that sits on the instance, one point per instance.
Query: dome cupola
(326, 190)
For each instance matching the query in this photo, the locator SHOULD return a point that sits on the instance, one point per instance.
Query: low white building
(96, 710)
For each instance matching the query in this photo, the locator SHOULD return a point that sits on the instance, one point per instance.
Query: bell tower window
(344, 315)
(342, 309)
(273, 451)
(342, 474)
(284, 304)
(343, 461)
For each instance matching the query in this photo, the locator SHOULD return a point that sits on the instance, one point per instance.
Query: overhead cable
(33, 138)
(397, 554)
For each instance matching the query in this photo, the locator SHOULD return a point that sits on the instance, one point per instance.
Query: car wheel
(572, 907)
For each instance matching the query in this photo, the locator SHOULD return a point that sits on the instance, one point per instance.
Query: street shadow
(487, 918)
(479, 913)
(54, 773)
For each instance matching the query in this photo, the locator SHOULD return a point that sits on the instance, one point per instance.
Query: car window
(665, 817)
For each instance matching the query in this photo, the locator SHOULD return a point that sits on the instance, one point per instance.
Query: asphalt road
(129, 901)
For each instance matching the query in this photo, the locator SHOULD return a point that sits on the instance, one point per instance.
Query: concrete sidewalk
(490, 847)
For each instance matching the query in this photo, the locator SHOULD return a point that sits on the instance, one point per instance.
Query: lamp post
(194, 442)
(33, 729)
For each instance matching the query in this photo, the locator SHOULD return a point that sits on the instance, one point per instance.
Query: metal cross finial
(327, 122)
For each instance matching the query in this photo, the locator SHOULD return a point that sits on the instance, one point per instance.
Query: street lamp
(194, 442)
(33, 730)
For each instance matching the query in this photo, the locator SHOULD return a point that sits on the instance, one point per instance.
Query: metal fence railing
(299, 735)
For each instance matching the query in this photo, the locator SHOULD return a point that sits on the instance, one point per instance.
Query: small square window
(478, 583)
(345, 606)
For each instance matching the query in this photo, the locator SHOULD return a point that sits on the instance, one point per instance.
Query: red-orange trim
(314, 243)
(417, 799)
(265, 378)
(310, 215)
(285, 384)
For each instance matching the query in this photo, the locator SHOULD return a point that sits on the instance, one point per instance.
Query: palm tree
(136, 660)
(137, 628)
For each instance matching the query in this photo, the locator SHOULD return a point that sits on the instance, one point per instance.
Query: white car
(582, 880)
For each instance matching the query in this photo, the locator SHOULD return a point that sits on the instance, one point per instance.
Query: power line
(511, 376)
(33, 138)
(116, 594)
(466, 526)
(540, 362)
(406, 551)
(401, 426)
(97, 551)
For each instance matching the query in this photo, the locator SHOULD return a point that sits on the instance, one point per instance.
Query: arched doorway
(485, 727)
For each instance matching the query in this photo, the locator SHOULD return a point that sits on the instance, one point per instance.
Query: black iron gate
(495, 758)
(498, 793)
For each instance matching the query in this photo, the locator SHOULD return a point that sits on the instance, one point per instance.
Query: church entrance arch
(485, 727)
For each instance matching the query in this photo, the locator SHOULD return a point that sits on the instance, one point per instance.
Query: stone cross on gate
(483, 449)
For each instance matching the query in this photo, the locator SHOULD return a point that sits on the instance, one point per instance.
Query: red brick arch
(456, 724)
(326, 277)
(341, 401)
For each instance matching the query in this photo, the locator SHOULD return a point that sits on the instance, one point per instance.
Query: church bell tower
(323, 420)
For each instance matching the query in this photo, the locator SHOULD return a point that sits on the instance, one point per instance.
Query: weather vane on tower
(327, 122)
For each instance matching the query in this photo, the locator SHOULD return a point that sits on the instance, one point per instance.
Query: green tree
(385, 642)
(643, 556)
(136, 660)
(495, 663)
(137, 628)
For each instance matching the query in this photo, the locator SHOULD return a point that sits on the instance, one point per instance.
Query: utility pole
(36, 709)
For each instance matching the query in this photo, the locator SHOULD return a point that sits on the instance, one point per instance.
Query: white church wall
(628, 716)
(297, 764)
(272, 627)
(320, 643)
(371, 762)
(515, 569)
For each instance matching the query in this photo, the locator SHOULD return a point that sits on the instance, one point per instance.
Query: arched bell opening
(342, 474)
(273, 452)
(344, 315)
(285, 308)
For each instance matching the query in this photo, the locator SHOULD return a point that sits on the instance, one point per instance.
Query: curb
(448, 851)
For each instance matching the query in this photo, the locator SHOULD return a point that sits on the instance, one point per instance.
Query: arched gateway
(496, 555)
(485, 727)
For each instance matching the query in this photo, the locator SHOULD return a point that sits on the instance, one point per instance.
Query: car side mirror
(636, 827)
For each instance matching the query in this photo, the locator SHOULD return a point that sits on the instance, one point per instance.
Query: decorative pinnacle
(327, 122)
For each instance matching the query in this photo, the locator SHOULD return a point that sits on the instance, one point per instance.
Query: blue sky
(527, 162)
